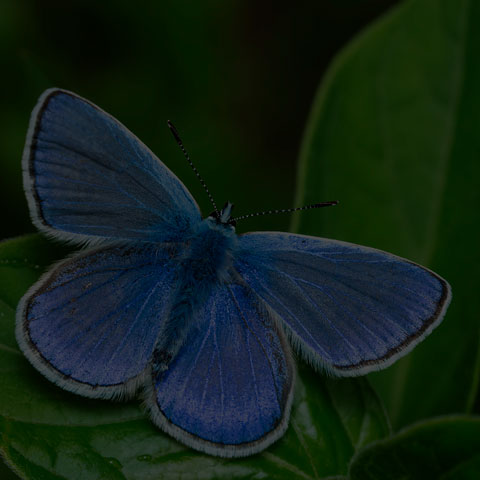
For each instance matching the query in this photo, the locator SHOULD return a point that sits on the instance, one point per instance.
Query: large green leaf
(394, 135)
(48, 433)
(443, 448)
(6, 473)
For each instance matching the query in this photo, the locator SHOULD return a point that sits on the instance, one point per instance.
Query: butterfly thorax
(205, 261)
(208, 251)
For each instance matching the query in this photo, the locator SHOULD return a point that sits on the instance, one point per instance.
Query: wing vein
(135, 321)
(260, 344)
(292, 315)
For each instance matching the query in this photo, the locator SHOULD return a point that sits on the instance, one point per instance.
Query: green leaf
(6, 473)
(445, 448)
(47, 433)
(394, 136)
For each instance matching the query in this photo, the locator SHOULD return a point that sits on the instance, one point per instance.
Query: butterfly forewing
(349, 309)
(86, 176)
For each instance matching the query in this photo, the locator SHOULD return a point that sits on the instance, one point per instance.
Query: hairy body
(204, 261)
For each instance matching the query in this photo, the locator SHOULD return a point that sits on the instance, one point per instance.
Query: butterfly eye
(214, 215)
(233, 223)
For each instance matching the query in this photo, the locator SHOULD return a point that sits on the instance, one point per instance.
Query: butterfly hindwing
(228, 391)
(91, 323)
(86, 176)
(348, 309)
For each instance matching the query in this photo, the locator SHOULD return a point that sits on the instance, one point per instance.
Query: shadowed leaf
(444, 448)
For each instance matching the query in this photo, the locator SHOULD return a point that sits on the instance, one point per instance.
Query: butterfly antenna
(287, 210)
(180, 144)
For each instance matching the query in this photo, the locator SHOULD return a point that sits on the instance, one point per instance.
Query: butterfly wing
(86, 175)
(348, 309)
(228, 390)
(90, 324)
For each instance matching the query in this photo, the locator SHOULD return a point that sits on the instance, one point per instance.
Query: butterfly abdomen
(205, 262)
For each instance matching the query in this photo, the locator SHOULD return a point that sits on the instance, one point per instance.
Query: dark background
(237, 78)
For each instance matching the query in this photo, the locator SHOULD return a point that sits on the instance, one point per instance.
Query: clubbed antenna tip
(174, 131)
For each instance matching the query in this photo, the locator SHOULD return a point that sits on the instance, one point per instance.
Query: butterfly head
(223, 216)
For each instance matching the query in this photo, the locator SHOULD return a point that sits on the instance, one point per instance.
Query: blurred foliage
(237, 79)
(392, 135)
(447, 449)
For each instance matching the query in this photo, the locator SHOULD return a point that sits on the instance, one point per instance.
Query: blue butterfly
(198, 319)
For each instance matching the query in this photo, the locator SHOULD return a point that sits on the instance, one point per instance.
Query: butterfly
(178, 308)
